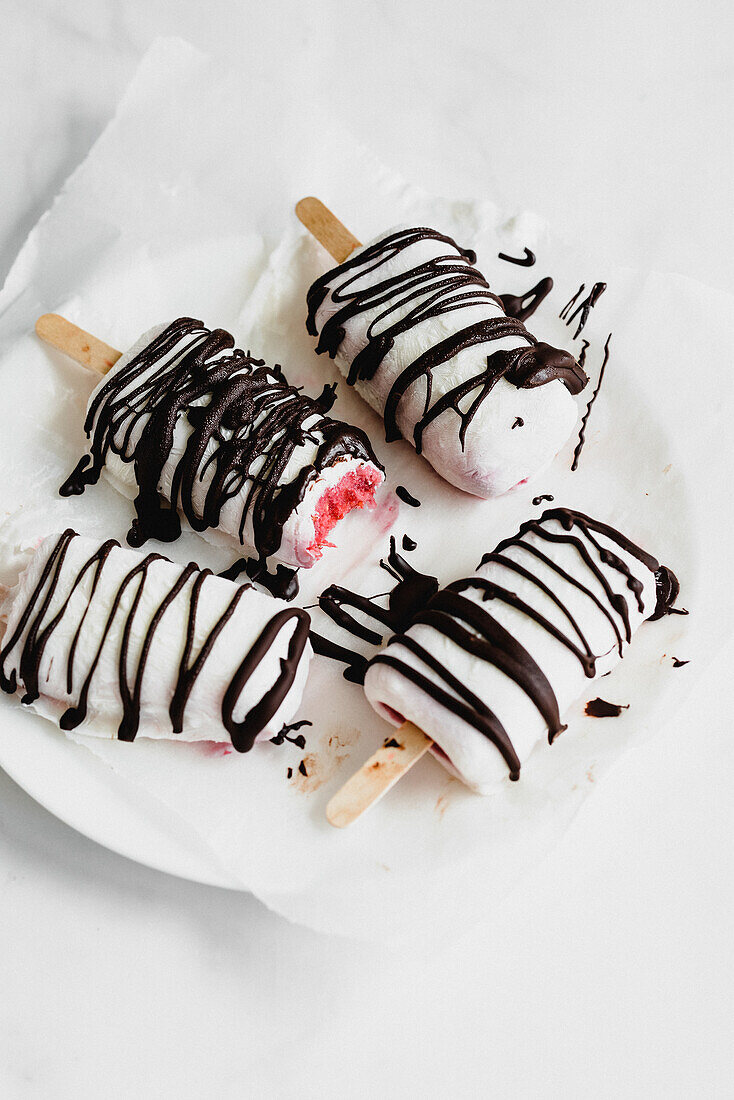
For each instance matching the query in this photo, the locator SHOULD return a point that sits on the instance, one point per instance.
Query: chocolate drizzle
(570, 304)
(244, 424)
(584, 308)
(522, 261)
(433, 288)
(592, 399)
(283, 583)
(524, 305)
(39, 629)
(412, 590)
(355, 662)
(284, 734)
(544, 496)
(470, 625)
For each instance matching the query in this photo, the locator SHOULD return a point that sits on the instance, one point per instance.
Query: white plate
(84, 793)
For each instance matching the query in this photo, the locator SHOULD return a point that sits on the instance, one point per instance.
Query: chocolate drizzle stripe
(464, 703)
(490, 641)
(432, 288)
(528, 548)
(244, 424)
(584, 308)
(187, 586)
(585, 418)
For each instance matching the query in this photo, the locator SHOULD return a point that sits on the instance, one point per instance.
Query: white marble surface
(608, 972)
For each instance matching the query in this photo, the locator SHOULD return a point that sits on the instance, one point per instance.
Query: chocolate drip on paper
(519, 422)
(131, 669)
(413, 588)
(406, 497)
(245, 423)
(355, 662)
(524, 305)
(584, 308)
(585, 418)
(409, 543)
(283, 583)
(544, 496)
(570, 304)
(284, 734)
(430, 289)
(600, 708)
(522, 261)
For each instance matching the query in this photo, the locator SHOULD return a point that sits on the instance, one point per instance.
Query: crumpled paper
(185, 205)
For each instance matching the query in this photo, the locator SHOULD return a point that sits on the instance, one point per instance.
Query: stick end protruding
(326, 228)
(377, 775)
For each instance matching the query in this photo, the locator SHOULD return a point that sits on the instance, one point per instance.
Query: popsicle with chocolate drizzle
(189, 425)
(486, 666)
(115, 644)
(414, 326)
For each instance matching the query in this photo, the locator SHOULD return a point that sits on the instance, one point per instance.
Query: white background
(608, 972)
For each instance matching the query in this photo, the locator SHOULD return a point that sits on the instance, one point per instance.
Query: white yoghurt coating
(579, 588)
(400, 297)
(125, 400)
(72, 622)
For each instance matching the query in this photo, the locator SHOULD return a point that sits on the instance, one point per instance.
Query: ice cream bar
(488, 666)
(184, 419)
(120, 645)
(413, 325)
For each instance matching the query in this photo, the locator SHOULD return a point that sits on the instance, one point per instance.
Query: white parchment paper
(185, 206)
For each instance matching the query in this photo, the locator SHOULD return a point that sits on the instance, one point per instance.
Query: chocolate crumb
(600, 708)
(677, 663)
(519, 422)
(541, 498)
(409, 543)
(392, 744)
(289, 773)
(302, 768)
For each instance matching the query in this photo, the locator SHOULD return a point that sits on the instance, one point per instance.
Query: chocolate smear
(600, 708)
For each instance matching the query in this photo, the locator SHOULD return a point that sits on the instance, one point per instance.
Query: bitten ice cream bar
(414, 327)
(186, 423)
(119, 645)
(487, 668)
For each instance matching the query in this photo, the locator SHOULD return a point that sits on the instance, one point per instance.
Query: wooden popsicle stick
(377, 775)
(390, 763)
(326, 228)
(76, 343)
